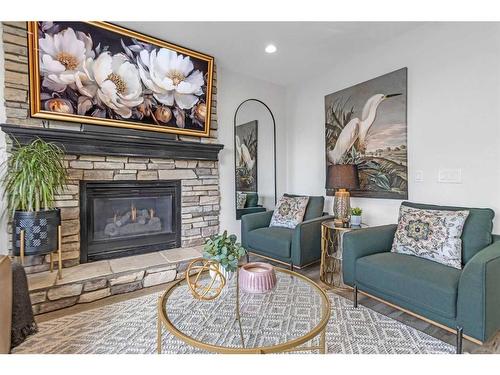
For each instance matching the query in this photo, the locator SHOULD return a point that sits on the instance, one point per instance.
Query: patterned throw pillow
(241, 199)
(431, 234)
(289, 212)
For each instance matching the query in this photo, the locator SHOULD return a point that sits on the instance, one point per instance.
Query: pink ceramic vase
(257, 277)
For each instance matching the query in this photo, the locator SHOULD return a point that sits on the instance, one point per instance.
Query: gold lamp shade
(342, 177)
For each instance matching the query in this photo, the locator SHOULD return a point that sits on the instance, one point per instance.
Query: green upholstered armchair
(466, 300)
(251, 206)
(297, 247)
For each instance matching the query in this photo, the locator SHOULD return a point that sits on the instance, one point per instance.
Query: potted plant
(356, 216)
(224, 249)
(35, 173)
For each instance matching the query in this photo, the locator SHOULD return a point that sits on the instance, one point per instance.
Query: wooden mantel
(117, 144)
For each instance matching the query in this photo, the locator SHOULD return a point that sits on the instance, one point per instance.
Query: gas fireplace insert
(126, 218)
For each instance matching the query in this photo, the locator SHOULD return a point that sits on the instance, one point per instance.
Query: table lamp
(342, 177)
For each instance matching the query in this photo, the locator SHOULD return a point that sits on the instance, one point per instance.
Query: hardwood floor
(313, 273)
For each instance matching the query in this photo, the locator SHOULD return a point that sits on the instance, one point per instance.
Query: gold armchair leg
(51, 262)
(21, 245)
(59, 251)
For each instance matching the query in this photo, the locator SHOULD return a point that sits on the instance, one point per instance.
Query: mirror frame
(274, 146)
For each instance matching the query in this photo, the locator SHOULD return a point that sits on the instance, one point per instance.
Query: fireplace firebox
(120, 218)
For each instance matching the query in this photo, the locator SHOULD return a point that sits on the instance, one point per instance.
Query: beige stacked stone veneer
(200, 197)
(200, 179)
(97, 280)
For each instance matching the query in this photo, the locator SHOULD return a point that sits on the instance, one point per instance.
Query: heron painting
(366, 125)
(246, 156)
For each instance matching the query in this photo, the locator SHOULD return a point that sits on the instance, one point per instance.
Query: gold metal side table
(330, 271)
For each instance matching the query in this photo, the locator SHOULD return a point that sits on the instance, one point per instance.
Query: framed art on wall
(100, 73)
(246, 156)
(366, 125)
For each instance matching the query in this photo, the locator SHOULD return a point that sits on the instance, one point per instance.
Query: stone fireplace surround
(199, 182)
(93, 157)
(82, 283)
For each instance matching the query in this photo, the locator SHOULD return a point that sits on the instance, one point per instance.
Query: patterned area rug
(130, 327)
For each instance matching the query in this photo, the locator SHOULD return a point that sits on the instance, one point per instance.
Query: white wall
(453, 115)
(453, 119)
(3, 215)
(232, 89)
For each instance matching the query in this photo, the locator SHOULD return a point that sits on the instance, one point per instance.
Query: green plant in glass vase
(224, 249)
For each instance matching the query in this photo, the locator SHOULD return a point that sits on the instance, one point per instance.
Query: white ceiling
(304, 48)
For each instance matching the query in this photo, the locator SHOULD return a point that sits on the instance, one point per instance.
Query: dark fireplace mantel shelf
(120, 144)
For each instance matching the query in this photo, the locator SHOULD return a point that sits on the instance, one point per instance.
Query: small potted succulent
(224, 249)
(356, 216)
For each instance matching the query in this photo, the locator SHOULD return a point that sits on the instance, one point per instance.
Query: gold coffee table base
(293, 345)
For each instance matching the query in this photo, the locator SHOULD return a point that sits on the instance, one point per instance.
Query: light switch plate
(450, 176)
(419, 176)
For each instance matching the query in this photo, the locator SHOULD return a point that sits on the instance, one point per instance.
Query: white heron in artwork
(357, 129)
(243, 157)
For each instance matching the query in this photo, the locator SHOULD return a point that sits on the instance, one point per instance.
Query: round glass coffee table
(291, 317)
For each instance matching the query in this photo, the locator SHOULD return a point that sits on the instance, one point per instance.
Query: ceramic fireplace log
(142, 225)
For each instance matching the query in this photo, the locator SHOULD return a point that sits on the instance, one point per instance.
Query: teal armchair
(466, 300)
(297, 247)
(478, 303)
(251, 206)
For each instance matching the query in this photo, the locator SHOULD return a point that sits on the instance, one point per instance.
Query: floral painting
(246, 156)
(366, 125)
(99, 73)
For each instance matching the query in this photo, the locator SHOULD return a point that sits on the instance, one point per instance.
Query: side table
(330, 271)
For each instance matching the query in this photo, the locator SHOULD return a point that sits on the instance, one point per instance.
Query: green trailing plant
(224, 249)
(34, 174)
(356, 211)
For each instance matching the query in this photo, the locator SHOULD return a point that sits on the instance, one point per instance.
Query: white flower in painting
(243, 157)
(171, 77)
(113, 80)
(61, 56)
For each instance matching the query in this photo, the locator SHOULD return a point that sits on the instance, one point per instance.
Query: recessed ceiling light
(271, 48)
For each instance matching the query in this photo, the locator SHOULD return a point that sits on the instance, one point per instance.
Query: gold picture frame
(191, 123)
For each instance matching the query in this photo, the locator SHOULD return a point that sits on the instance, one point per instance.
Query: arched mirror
(255, 157)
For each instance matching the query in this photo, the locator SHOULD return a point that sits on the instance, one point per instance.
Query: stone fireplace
(128, 222)
(120, 218)
(106, 154)
(196, 200)
(113, 157)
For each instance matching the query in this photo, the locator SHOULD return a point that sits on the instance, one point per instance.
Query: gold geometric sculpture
(205, 288)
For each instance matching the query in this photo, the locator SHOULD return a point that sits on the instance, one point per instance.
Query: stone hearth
(97, 280)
